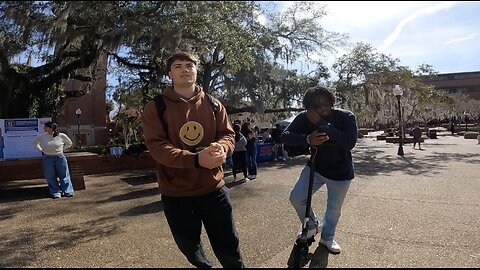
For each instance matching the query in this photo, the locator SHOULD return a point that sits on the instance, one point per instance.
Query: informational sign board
(18, 136)
(2, 128)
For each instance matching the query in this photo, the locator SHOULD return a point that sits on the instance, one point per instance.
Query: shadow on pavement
(151, 208)
(319, 259)
(235, 183)
(371, 162)
(140, 180)
(24, 194)
(285, 164)
(7, 214)
(133, 195)
(24, 247)
(72, 235)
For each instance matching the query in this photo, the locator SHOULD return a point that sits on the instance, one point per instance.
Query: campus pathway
(418, 211)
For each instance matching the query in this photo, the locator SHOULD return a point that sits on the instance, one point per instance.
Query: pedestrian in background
(417, 135)
(240, 154)
(251, 147)
(55, 165)
(276, 136)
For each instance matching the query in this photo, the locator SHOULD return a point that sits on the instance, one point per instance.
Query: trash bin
(116, 151)
(432, 134)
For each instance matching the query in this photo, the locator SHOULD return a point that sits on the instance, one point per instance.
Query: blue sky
(445, 35)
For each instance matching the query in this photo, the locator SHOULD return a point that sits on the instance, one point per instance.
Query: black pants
(185, 216)
(239, 162)
(415, 141)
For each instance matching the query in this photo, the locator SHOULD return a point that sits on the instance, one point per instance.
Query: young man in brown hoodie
(190, 154)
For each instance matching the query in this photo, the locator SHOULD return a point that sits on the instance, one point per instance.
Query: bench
(406, 140)
(365, 131)
(382, 137)
(471, 135)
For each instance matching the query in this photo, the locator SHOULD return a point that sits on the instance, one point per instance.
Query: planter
(471, 135)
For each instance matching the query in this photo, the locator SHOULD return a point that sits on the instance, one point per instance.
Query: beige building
(467, 83)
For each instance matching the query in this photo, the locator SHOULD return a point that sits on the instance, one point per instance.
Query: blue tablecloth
(265, 151)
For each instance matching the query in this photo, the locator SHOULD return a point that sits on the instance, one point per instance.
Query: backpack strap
(214, 103)
(161, 107)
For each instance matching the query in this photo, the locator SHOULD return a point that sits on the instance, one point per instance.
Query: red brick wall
(109, 164)
(32, 169)
(93, 105)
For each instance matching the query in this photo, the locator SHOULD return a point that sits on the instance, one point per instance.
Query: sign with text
(265, 152)
(2, 128)
(18, 136)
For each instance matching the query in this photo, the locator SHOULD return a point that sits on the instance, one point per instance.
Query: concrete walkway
(422, 210)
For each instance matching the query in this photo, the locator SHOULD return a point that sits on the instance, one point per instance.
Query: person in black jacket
(417, 135)
(251, 147)
(334, 133)
(276, 136)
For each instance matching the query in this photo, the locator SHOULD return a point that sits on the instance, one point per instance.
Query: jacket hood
(175, 97)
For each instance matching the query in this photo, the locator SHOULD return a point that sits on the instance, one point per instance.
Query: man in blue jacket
(334, 133)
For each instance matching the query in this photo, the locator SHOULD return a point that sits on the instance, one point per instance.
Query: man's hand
(317, 138)
(313, 116)
(217, 150)
(212, 157)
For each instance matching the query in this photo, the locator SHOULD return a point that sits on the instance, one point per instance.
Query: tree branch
(252, 109)
(125, 62)
(4, 60)
(58, 75)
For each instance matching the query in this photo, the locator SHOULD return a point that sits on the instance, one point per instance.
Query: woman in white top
(52, 144)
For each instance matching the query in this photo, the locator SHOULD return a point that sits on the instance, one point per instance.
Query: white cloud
(363, 14)
(437, 33)
(471, 36)
(262, 19)
(426, 11)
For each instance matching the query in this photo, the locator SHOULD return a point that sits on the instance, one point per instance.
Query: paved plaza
(418, 211)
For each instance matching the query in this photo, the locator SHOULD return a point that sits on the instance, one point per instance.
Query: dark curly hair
(313, 93)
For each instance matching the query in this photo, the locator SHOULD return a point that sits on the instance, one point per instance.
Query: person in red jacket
(190, 155)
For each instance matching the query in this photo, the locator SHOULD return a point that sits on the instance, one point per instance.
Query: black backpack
(161, 107)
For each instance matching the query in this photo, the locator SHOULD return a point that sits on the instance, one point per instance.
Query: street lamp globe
(398, 91)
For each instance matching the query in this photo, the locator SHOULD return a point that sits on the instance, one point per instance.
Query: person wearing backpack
(189, 135)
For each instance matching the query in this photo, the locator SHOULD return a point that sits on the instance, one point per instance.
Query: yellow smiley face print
(191, 133)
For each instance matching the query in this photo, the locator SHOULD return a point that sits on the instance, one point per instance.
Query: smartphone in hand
(322, 130)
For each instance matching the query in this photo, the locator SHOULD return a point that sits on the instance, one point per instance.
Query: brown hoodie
(191, 124)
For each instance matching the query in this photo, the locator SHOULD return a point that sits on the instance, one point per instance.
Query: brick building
(467, 83)
(93, 119)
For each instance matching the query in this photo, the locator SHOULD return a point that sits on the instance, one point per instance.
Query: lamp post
(78, 112)
(398, 92)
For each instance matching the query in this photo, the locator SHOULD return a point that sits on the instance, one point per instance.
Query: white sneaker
(252, 177)
(311, 233)
(246, 179)
(333, 246)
